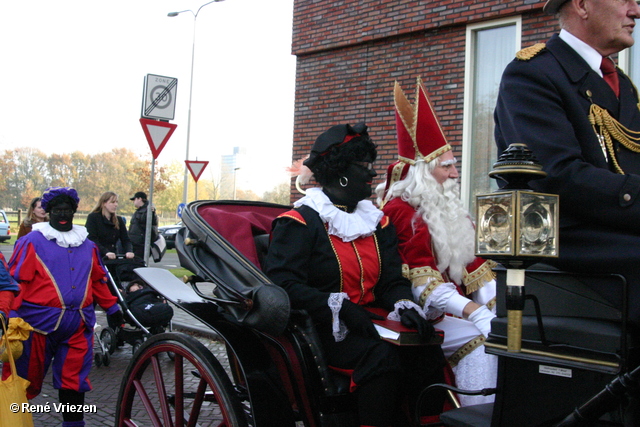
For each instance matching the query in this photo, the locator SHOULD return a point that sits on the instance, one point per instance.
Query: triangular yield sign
(157, 133)
(196, 168)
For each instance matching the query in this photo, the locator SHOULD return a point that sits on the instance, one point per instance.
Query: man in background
(138, 226)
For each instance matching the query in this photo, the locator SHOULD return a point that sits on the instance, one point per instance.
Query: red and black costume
(312, 264)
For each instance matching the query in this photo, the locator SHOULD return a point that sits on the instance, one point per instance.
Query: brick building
(350, 52)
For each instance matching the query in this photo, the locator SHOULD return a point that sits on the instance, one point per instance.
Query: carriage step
(468, 416)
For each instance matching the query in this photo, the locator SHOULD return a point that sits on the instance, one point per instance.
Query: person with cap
(138, 225)
(335, 253)
(578, 113)
(61, 278)
(436, 238)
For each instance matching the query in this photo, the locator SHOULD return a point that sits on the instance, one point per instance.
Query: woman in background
(106, 228)
(35, 214)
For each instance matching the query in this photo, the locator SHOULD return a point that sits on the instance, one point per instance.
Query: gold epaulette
(529, 52)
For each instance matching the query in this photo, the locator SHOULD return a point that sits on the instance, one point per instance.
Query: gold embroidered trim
(427, 290)
(607, 129)
(529, 52)
(424, 271)
(491, 303)
(335, 252)
(476, 279)
(437, 153)
(465, 350)
(405, 270)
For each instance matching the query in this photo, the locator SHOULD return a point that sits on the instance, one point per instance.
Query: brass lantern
(517, 227)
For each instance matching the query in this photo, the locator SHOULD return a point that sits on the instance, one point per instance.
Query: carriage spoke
(146, 401)
(161, 389)
(179, 396)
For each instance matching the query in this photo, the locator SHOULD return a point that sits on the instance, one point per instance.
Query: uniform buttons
(626, 197)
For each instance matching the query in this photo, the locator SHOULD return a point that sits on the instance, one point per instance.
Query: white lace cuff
(338, 327)
(401, 305)
(436, 302)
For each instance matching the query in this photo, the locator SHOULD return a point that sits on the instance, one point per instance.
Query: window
(490, 47)
(629, 59)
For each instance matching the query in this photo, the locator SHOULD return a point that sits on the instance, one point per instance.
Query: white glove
(482, 319)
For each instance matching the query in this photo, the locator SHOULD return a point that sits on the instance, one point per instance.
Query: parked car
(5, 228)
(169, 234)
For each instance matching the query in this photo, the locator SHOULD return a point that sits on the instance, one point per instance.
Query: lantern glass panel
(537, 230)
(495, 224)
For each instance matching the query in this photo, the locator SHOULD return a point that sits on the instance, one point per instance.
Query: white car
(5, 228)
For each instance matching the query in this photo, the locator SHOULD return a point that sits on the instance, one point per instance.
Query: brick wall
(349, 53)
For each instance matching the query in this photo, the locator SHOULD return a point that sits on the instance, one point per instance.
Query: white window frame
(469, 64)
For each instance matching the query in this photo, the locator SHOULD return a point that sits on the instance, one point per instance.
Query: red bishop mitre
(418, 132)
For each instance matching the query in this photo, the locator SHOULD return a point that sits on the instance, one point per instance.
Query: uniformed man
(549, 97)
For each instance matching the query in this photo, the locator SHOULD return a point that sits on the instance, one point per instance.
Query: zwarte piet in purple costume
(61, 276)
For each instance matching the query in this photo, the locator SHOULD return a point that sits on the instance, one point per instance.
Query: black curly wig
(336, 161)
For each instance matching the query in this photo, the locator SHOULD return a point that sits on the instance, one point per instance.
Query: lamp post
(235, 173)
(193, 51)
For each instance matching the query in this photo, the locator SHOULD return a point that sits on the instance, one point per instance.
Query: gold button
(588, 93)
(626, 197)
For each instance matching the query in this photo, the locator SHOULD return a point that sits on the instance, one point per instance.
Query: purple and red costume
(58, 288)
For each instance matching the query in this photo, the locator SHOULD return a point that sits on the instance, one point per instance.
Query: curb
(200, 330)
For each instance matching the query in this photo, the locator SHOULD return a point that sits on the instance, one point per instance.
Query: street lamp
(235, 173)
(193, 51)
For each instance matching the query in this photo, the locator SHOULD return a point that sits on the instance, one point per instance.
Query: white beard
(451, 229)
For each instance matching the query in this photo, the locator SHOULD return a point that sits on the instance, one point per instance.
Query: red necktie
(610, 74)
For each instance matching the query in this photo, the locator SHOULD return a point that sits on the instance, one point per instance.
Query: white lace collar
(66, 239)
(361, 222)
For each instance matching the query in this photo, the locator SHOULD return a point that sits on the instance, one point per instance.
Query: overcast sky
(73, 72)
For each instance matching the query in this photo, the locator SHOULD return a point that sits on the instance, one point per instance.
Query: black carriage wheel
(106, 359)
(192, 390)
(108, 338)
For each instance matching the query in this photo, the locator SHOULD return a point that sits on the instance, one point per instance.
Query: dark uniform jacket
(544, 103)
(137, 227)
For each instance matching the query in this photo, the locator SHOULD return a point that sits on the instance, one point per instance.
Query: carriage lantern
(516, 227)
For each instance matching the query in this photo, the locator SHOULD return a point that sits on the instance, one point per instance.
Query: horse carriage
(272, 372)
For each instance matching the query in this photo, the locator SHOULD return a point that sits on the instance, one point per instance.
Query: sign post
(157, 133)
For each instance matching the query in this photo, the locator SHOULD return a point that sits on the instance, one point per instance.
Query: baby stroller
(120, 277)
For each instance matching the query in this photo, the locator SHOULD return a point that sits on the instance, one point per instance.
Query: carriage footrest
(468, 416)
